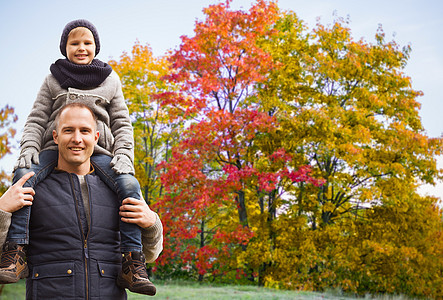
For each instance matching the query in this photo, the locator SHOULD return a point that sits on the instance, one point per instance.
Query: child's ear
(55, 136)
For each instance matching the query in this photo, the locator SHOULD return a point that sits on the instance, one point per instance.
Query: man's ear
(97, 134)
(55, 136)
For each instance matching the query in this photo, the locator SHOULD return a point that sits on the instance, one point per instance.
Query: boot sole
(7, 278)
(150, 290)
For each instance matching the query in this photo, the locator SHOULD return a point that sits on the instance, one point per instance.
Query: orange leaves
(7, 133)
(223, 60)
(7, 118)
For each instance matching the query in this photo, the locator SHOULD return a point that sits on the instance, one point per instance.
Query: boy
(80, 78)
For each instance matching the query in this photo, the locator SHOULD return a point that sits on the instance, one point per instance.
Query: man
(74, 229)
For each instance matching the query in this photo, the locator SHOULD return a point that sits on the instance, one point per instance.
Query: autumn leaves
(286, 154)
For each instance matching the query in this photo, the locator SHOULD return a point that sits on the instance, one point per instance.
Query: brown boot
(134, 276)
(13, 266)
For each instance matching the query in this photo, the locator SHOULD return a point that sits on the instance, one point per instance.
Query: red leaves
(303, 175)
(205, 258)
(268, 181)
(240, 236)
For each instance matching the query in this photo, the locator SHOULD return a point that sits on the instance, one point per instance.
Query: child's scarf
(76, 76)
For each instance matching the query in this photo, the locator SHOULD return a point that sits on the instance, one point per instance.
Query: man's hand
(137, 212)
(17, 196)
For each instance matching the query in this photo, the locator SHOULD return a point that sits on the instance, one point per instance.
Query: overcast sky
(30, 34)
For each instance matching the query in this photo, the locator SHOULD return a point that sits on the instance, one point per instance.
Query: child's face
(80, 48)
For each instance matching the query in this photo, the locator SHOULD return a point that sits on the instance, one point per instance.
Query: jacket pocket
(92, 98)
(108, 288)
(53, 281)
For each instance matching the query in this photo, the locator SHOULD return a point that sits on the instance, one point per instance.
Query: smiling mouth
(76, 149)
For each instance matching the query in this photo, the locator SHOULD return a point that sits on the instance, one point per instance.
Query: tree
(399, 249)
(348, 110)
(155, 128)
(7, 118)
(7, 133)
(222, 164)
(299, 159)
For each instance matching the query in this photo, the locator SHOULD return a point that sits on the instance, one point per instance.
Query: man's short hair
(78, 105)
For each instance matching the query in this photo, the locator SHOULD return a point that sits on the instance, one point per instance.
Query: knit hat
(74, 24)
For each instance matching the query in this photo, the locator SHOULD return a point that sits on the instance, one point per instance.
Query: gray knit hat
(74, 24)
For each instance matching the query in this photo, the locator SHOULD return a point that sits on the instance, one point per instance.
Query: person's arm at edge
(5, 221)
(152, 240)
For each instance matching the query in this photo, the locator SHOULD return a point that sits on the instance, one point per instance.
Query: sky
(30, 35)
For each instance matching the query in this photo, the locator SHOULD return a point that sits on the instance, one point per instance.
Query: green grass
(172, 290)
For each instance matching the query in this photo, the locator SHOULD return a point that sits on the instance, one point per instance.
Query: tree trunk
(241, 207)
(202, 243)
(272, 214)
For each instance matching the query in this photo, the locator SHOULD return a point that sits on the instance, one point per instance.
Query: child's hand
(121, 164)
(27, 157)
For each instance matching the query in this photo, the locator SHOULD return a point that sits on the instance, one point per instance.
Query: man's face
(76, 136)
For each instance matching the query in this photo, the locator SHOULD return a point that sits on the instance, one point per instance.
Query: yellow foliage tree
(7, 133)
(347, 109)
(155, 128)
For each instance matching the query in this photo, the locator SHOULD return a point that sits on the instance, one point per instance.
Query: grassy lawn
(173, 290)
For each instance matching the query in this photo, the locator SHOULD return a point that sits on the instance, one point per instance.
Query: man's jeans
(124, 185)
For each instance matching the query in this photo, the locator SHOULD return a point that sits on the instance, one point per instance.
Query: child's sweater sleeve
(120, 121)
(38, 118)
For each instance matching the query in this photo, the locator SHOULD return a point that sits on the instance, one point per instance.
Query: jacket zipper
(85, 238)
(86, 268)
